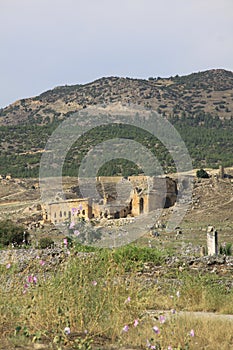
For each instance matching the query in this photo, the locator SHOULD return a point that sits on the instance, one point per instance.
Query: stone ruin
(212, 241)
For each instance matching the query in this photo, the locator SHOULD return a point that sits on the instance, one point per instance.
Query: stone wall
(146, 194)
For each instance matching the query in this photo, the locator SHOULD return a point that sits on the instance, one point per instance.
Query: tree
(12, 233)
(202, 174)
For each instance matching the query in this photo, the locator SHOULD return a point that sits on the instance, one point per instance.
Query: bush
(11, 233)
(225, 249)
(131, 256)
(46, 242)
(202, 174)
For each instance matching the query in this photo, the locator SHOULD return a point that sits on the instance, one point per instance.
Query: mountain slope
(199, 105)
(210, 92)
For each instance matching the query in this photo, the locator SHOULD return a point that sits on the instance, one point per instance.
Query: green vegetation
(208, 139)
(202, 174)
(10, 233)
(225, 249)
(46, 242)
(93, 299)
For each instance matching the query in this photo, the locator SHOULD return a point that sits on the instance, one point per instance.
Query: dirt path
(197, 314)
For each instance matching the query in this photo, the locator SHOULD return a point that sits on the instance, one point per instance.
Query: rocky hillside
(199, 105)
(209, 91)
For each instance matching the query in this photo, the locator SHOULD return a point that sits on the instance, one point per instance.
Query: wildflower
(34, 279)
(8, 266)
(65, 242)
(135, 323)
(42, 262)
(30, 279)
(73, 210)
(94, 283)
(148, 345)
(162, 319)
(178, 294)
(156, 330)
(173, 311)
(76, 232)
(67, 330)
(80, 207)
(25, 288)
(169, 347)
(72, 224)
(192, 333)
(128, 300)
(125, 328)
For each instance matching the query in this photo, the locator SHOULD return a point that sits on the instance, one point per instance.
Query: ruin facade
(145, 194)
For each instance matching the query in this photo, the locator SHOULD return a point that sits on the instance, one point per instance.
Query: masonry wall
(59, 212)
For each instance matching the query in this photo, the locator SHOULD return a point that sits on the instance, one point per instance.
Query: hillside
(209, 91)
(199, 105)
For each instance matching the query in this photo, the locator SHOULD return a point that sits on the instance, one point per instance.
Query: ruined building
(118, 198)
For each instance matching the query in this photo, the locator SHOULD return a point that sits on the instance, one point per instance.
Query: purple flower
(30, 279)
(65, 242)
(8, 266)
(156, 330)
(72, 224)
(173, 311)
(128, 300)
(125, 328)
(34, 279)
(192, 333)
(162, 319)
(80, 207)
(169, 347)
(94, 283)
(67, 330)
(42, 262)
(73, 210)
(76, 232)
(135, 323)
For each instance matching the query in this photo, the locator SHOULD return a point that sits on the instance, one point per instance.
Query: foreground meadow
(102, 299)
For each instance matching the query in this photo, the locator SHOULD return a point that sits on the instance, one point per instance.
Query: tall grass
(94, 296)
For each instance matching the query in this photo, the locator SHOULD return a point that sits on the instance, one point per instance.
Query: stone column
(212, 241)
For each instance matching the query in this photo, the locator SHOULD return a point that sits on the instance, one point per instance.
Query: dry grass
(96, 298)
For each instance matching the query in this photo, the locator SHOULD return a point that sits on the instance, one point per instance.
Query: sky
(47, 43)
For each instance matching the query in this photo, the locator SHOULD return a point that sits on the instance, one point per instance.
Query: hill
(199, 105)
(209, 92)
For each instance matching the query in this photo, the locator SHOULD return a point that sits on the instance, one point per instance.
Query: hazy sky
(46, 43)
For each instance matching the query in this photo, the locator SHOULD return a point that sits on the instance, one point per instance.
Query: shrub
(202, 174)
(46, 242)
(131, 256)
(226, 249)
(11, 233)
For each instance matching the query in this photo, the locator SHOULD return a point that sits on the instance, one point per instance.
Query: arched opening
(167, 202)
(141, 206)
(117, 215)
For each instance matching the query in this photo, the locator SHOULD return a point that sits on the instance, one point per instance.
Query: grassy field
(102, 300)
